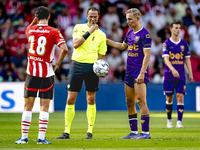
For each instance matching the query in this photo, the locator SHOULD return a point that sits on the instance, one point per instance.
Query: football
(100, 67)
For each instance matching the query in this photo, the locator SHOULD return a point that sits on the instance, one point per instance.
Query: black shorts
(80, 72)
(44, 85)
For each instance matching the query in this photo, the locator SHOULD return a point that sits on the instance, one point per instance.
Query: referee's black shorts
(44, 85)
(80, 72)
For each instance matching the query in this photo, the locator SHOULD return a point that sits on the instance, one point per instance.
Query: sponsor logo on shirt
(41, 31)
(133, 54)
(176, 56)
(177, 62)
(134, 46)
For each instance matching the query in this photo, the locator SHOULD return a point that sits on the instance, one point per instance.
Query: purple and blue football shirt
(136, 43)
(177, 53)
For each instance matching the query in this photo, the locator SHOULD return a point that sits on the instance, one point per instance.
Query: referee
(89, 44)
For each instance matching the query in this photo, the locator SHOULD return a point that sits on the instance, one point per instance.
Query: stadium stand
(15, 15)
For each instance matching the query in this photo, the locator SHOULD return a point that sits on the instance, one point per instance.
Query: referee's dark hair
(42, 12)
(175, 22)
(93, 8)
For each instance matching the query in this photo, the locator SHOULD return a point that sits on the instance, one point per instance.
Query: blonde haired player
(138, 42)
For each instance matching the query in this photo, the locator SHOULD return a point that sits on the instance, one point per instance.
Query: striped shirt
(42, 40)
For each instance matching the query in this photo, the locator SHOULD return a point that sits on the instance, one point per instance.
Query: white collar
(175, 42)
(42, 24)
(137, 31)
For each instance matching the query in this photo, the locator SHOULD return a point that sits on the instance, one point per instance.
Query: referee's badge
(95, 44)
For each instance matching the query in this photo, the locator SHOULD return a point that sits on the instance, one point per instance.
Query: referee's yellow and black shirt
(95, 43)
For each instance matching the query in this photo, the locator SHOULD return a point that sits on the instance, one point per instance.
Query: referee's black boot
(63, 136)
(89, 136)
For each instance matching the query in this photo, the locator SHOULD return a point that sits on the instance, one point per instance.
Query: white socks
(26, 121)
(43, 122)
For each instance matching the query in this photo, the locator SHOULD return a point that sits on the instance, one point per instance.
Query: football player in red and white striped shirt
(42, 40)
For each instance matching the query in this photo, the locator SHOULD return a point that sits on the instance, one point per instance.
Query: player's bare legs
(130, 100)
(169, 98)
(71, 97)
(169, 106)
(44, 104)
(132, 112)
(91, 113)
(140, 95)
(91, 98)
(140, 90)
(180, 109)
(180, 98)
(28, 103)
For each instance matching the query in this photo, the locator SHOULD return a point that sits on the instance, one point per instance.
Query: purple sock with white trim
(133, 122)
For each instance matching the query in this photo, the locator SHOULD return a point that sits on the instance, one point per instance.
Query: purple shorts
(178, 85)
(130, 81)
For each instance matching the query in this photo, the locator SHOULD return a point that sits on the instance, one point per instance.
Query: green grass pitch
(108, 129)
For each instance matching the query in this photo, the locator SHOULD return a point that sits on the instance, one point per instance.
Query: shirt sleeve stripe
(60, 42)
(165, 55)
(187, 56)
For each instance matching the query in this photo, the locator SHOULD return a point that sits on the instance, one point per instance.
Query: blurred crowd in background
(16, 15)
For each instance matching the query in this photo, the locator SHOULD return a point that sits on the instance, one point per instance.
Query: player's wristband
(86, 35)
